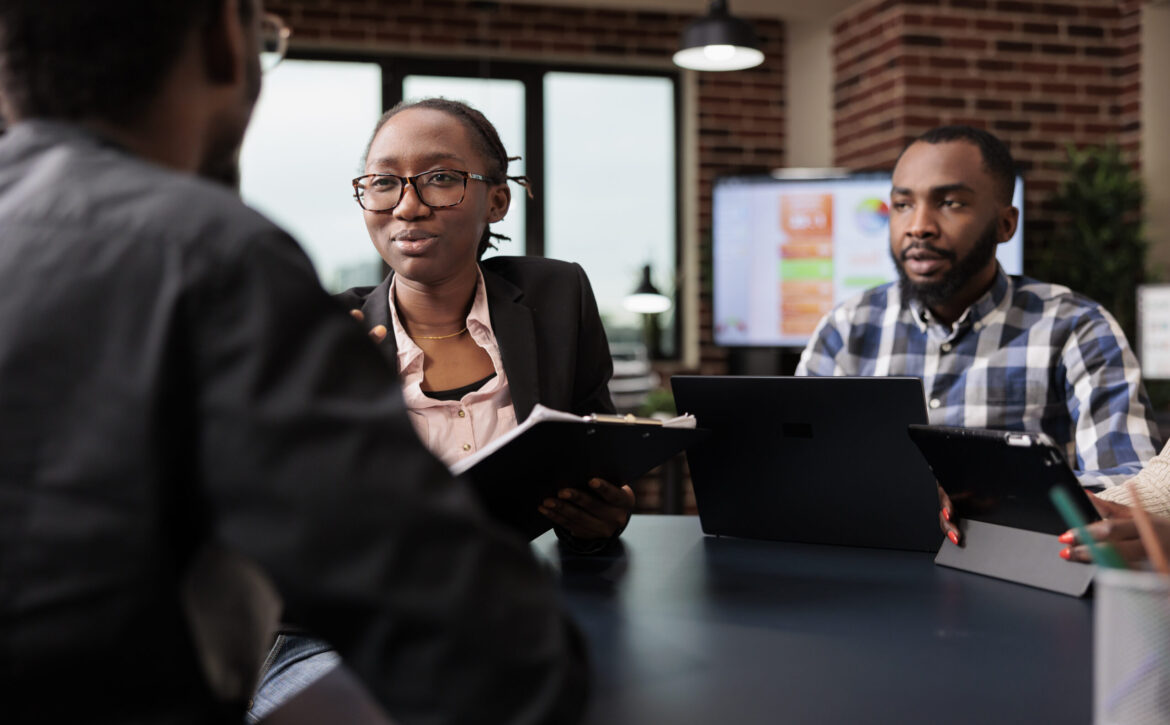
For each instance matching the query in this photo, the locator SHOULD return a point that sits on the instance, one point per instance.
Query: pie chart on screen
(872, 215)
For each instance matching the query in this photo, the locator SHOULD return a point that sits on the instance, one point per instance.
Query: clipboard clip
(628, 418)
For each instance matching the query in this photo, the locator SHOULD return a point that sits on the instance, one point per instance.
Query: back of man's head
(997, 159)
(92, 59)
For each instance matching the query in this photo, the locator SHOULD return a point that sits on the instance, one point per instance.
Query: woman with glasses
(477, 342)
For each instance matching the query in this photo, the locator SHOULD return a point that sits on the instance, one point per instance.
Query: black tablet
(1002, 477)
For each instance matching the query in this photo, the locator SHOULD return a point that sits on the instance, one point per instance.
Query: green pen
(1103, 554)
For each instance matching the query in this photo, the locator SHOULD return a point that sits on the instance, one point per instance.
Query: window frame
(396, 67)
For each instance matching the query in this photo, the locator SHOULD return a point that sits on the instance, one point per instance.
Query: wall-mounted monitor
(785, 251)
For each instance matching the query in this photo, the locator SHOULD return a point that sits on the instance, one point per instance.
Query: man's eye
(899, 206)
(952, 203)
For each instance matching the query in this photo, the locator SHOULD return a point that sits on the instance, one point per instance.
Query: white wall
(809, 110)
(1156, 133)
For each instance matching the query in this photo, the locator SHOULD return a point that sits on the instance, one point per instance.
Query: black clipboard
(552, 450)
(999, 484)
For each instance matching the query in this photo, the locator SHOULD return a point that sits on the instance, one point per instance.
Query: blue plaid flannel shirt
(1027, 356)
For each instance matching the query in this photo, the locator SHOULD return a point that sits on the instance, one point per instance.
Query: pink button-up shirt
(455, 429)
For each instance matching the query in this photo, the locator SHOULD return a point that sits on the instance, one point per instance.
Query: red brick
(993, 104)
(972, 84)
(1038, 107)
(1010, 46)
(995, 25)
(1086, 31)
(1094, 90)
(1013, 86)
(949, 21)
(1062, 10)
(994, 65)
(968, 43)
(1041, 28)
(1039, 68)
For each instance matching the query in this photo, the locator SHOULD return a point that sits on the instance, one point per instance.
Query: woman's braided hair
(483, 135)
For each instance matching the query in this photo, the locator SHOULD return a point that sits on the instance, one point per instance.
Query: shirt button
(462, 414)
(935, 402)
(467, 446)
(946, 347)
(978, 326)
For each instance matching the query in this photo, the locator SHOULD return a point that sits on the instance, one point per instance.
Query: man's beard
(222, 162)
(960, 273)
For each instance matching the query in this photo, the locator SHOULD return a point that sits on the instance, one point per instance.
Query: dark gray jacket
(172, 376)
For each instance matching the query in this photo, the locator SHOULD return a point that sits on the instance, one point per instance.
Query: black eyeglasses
(435, 189)
(274, 35)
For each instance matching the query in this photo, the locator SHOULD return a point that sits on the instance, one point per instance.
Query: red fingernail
(953, 537)
(1065, 553)
(1067, 537)
(946, 514)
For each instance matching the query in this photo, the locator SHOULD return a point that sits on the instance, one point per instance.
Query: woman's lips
(413, 244)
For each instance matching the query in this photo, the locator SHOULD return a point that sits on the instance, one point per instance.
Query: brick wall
(1037, 74)
(740, 116)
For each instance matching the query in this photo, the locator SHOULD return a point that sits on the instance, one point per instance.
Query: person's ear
(1009, 218)
(499, 199)
(225, 43)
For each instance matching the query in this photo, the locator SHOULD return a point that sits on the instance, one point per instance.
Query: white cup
(1131, 648)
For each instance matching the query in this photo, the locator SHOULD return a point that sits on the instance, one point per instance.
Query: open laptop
(816, 460)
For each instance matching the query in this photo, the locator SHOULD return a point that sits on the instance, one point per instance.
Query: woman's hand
(947, 521)
(377, 333)
(599, 513)
(1119, 530)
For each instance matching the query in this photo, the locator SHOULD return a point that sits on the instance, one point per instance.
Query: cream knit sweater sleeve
(1152, 484)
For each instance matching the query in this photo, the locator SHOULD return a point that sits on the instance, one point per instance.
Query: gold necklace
(439, 337)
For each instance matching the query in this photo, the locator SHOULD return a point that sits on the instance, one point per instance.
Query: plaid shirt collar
(991, 306)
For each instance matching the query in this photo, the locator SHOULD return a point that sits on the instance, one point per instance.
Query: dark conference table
(685, 628)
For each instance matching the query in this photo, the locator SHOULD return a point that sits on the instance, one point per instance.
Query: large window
(600, 148)
(305, 144)
(609, 185)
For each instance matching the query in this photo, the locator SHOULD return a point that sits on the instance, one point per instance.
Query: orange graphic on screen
(807, 215)
(806, 262)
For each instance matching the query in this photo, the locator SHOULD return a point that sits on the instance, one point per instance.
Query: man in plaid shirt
(992, 351)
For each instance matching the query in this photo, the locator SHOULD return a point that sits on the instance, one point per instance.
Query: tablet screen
(1001, 477)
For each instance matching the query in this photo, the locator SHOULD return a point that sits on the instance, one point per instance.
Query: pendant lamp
(719, 41)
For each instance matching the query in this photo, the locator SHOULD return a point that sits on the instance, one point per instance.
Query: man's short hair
(997, 160)
(102, 59)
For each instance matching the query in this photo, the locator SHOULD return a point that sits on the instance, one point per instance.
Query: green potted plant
(1099, 247)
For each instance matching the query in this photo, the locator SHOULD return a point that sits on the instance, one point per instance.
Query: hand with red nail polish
(947, 521)
(1118, 529)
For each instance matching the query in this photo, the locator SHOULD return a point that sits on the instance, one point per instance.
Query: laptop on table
(814, 460)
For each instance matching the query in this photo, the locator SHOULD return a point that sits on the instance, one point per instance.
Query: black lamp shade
(719, 41)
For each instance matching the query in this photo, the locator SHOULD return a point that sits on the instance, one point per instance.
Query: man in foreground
(190, 424)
